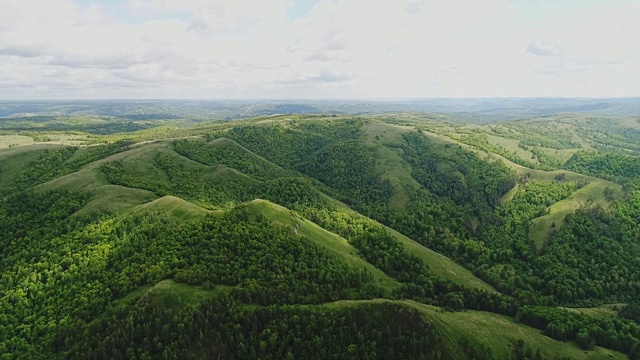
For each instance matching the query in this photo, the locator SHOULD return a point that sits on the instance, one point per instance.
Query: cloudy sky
(279, 49)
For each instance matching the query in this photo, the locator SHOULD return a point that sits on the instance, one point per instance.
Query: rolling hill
(152, 242)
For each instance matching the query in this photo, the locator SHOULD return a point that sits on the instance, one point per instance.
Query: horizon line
(380, 99)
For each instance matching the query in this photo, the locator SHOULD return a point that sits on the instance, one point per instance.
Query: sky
(318, 49)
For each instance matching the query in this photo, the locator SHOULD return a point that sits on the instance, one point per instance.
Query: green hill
(386, 138)
(591, 195)
(173, 206)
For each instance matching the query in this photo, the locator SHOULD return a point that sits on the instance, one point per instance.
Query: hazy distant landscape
(473, 109)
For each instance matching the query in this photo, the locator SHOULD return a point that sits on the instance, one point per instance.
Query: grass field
(224, 142)
(115, 199)
(106, 197)
(603, 311)
(10, 141)
(140, 160)
(504, 331)
(509, 195)
(7, 141)
(562, 155)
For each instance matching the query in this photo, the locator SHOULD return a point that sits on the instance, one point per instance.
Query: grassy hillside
(442, 265)
(591, 195)
(437, 264)
(223, 151)
(104, 197)
(7, 141)
(336, 245)
(386, 138)
(14, 161)
(505, 332)
(458, 331)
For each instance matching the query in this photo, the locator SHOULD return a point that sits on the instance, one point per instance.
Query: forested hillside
(386, 236)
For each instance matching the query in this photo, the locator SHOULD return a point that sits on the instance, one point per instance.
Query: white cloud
(341, 48)
(544, 48)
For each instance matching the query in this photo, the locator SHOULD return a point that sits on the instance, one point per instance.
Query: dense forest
(146, 242)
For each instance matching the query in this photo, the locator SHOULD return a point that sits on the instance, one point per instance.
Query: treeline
(606, 165)
(601, 249)
(586, 331)
(223, 328)
(90, 125)
(205, 186)
(216, 186)
(533, 198)
(348, 169)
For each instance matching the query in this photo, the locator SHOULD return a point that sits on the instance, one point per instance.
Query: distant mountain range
(479, 110)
